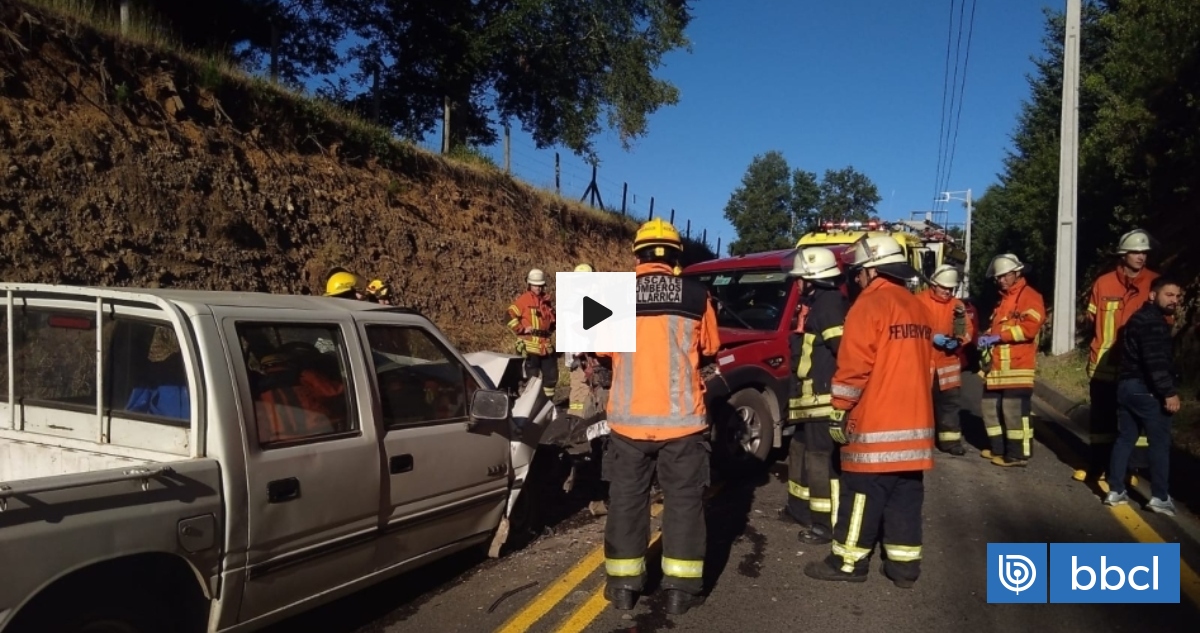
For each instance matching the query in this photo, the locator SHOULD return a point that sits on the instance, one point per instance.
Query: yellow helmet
(340, 283)
(657, 233)
(379, 288)
(584, 268)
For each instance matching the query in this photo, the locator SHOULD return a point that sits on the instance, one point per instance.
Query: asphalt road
(756, 565)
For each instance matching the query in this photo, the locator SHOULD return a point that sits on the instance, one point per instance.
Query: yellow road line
(554, 593)
(596, 603)
(1189, 581)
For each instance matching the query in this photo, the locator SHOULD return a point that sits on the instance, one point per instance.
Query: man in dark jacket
(1147, 394)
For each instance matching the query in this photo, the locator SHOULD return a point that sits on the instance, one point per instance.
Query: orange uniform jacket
(1018, 321)
(1115, 297)
(536, 313)
(306, 405)
(947, 365)
(884, 379)
(657, 393)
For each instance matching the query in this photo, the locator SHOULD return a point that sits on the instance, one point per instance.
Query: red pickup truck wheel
(751, 425)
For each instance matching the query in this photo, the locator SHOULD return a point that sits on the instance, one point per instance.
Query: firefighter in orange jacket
(951, 330)
(659, 423)
(1008, 357)
(1115, 296)
(883, 417)
(531, 318)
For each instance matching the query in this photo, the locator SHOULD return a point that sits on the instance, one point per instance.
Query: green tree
(760, 210)
(806, 200)
(848, 194)
(559, 69)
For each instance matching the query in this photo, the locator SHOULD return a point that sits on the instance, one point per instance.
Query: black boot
(822, 571)
(680, 601)
(621, 599)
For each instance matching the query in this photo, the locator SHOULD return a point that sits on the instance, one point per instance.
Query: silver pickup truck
(213, 461)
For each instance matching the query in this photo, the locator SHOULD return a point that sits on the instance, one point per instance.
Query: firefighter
(1008, 359)
(951, 330)
(659, 424)
(811, 455)
(577, 365)
(1115, 297)
(531, 318)
(882, 416)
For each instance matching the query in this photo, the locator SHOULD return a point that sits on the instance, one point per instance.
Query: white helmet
(584, 268)
(536, 278)
(946, 276)
(814, 262)
(1135, 241)
(1004, 264)
(877, 250)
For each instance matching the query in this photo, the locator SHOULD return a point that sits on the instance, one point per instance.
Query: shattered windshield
(752, 299)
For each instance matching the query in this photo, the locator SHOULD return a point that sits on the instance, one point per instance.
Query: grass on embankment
(1068, 375)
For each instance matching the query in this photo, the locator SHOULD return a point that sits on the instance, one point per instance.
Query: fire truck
(758, 308)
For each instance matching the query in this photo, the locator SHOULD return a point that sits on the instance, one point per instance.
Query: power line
(945, 86)
(962, 91)
(962, 7)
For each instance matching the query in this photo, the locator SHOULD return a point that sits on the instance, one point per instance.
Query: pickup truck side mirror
(488, 406)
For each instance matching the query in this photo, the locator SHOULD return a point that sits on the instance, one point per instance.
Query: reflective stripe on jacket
(884, 379)
(536, 313)
(819, 342)
(1018, 320)
(947, 365)
(657, 393)
(1115, 298)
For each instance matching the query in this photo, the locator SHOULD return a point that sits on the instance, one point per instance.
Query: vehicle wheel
(750, 431)
(109, 613)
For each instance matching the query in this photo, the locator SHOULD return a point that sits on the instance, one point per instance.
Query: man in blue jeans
(1147, 394)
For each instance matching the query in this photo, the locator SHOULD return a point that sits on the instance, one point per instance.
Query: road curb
(1070, 416)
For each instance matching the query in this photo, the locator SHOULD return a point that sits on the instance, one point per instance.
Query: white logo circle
(1017, 573)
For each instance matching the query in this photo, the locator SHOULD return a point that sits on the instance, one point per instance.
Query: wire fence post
(624, 194)
(507, 149)
(557, 175)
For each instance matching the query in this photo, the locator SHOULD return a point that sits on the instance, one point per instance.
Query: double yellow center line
(552, 595)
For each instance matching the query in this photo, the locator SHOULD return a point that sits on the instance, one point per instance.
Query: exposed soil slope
(122, 165)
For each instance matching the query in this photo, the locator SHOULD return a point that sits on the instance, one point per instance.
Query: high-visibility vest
(657, 393)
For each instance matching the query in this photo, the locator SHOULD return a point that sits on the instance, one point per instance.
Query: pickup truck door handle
(400, 464)
(282, 490)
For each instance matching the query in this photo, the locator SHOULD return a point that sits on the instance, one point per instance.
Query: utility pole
(1063, 339)
(946, 197)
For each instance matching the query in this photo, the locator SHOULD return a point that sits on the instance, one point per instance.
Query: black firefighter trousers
(874, 507)
(813, 486)
(682, 465)
(546, 366)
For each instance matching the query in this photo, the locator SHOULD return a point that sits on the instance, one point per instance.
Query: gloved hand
(987, 340)
(837, 426)
(943, 342)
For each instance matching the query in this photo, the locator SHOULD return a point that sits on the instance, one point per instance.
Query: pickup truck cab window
(418, 380)
(299, 382)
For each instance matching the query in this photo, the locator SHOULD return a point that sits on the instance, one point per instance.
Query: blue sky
(829, 84)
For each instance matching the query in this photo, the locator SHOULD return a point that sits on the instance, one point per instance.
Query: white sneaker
(1115, 498)
(1162, 507)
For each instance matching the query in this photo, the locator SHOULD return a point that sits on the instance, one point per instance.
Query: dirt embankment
(124, 165)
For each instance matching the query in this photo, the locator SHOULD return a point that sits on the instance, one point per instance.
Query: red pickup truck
(757, 310)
